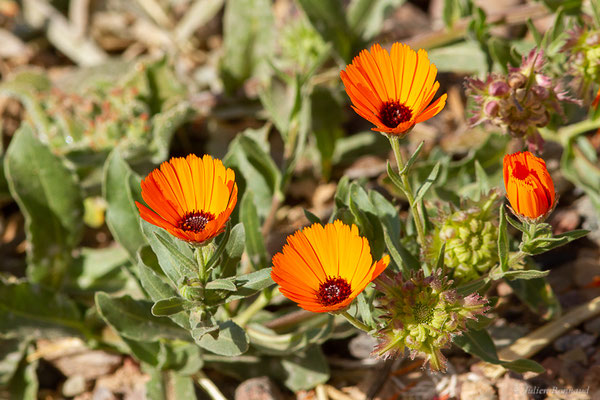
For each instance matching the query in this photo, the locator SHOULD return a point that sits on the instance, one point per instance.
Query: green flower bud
(422, 314)
(471, 236)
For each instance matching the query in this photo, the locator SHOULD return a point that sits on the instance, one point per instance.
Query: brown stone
(261, 388)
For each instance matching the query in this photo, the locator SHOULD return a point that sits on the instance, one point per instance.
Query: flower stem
(354, 321)
(209, 387)
(408, 190)
(261, 302)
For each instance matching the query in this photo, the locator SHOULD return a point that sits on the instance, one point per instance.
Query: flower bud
(491, 108)
(517, 80)
(429, 313)
(529, 187)
(499, 88)
(471, 250)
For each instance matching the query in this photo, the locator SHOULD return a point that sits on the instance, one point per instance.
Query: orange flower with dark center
(323, 268)
(528, 184)
(393, 90)
(192, 198)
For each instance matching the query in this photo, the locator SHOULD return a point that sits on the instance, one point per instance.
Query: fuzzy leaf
(133, 319)
(49, 197)
(255, 245)
(230, 340)
(30, 310)
(170, 306)
(122, 216)
(480, 344)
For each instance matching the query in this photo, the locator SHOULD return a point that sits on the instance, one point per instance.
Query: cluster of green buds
(422, 314)
(470, 236)
(520, 102)
(583, 49)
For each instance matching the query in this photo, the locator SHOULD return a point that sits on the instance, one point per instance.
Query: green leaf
(122, 216)
(251, 283)
(312, 218)
(365, 17)
(471, 287)
(255, 245)
(147, 352)
(395, 177)
(255, 172)
(482, 179)
(582, 170)
(214, 259)
(248, 41)
(170, 306)
(327, 17)
(516, 224)
(173, 254)
(30, 310)
(525, 274)
(538, 295)
(233, 251)
(439, 264)
(168, 385)
(11, 354)
(103, 269)
(326, 120)
(306, 371)
(230, 340)
(463, 57)
(412, 159)
(24, 384)
(480, 344)
(542, 245)
(503, 249)
(428, 182)
(268, 342)
(183, 357)
(188, 266)
(164, 126)
(155, 285)
(133, 319)
(50, 199)
(222, 284)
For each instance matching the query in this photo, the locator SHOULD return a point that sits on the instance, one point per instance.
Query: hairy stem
(354, 321)
(209, 387)
(407, 189)
(261, 302)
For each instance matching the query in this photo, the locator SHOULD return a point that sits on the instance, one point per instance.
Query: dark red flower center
(393, 113)
(333, 291)
(195, 221)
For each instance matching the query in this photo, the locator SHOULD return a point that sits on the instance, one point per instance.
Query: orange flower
(528, 184)
(324, 268)
(192, 198)
(393, 90)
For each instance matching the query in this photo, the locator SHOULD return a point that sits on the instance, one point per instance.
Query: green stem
(515, 259)
(199, 254)
(408, 190)
(209, 386)
(355, 322)
(261, 302)
(567, 133)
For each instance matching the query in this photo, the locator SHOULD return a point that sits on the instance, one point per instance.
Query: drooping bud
(529, 186)
(470, 236)
(423, 316)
